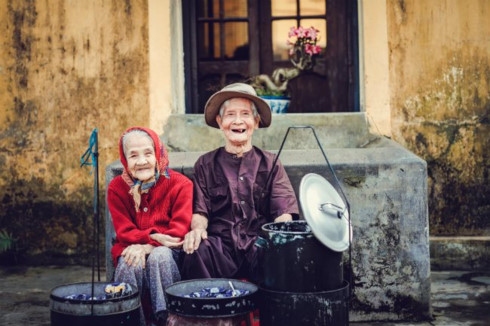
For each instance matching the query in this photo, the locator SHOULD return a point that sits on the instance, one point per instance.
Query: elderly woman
(151, 208)
(231, 197)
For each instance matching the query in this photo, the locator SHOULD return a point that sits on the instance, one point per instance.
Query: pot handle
(325, 207)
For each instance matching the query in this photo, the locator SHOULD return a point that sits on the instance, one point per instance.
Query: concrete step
(460, 253)
(189, 133)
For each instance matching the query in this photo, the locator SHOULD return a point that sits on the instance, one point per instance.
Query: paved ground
(458, 298)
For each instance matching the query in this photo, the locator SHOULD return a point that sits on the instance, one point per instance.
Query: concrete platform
(458, 298)
(387, 190)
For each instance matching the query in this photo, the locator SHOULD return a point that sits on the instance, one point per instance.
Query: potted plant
(303, 50)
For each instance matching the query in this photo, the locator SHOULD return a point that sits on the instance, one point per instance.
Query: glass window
(280, 31)
(235, 8)
(208, 41)
(207, 8)
(312, 7)
(283, 8)
(236, 41)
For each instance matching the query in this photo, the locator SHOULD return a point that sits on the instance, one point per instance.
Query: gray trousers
(161, 271)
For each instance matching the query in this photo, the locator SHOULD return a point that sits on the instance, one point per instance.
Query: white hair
(134, 132)
(225, 103)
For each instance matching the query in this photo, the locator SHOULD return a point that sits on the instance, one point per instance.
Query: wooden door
(229, 41)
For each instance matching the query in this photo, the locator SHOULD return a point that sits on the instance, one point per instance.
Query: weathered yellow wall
(167, 92)
(440, 100)
(66, 67)
(373, 54)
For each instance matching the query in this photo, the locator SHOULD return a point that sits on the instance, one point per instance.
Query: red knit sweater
(166, 208)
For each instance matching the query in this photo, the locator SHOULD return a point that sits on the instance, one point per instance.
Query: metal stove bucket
(324, 308)
(117, 311)
(292, 259)
(301, 262)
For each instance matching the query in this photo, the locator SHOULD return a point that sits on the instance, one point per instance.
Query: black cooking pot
(292, 259)
(203, 307)
(122, 310)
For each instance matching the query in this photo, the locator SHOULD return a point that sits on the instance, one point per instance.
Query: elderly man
(231, 198)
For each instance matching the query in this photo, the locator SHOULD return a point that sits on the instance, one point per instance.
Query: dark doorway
(228, 41)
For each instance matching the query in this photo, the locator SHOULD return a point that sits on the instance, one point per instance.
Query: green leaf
(6, 240)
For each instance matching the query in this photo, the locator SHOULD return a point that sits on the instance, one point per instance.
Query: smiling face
(140, 155)
(238, 122)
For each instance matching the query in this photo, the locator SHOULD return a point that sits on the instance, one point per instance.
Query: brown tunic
(232, 192)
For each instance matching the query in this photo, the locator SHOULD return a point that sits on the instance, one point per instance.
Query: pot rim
(264, 228)
(58, 298)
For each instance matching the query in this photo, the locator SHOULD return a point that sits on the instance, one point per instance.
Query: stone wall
(66, 67)
(440, 99)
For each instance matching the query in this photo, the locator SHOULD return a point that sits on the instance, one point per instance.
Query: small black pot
(122, 311)
(210, 307)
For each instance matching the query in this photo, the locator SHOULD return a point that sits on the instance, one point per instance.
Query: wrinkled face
(140, 155)
(238, 122)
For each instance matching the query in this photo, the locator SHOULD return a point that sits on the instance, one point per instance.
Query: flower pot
(278, 104)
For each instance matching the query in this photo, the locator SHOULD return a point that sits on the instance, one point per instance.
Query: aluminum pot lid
(324, 211)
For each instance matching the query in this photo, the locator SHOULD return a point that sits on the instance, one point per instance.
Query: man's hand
(135, 255)
(284, 218)
(167, 240)
(198, 232)
(192, 240)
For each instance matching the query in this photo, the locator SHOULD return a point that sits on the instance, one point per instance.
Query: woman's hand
(167, 240)
(284, 218)
(199, 224)
(135, 255)
(192, 240)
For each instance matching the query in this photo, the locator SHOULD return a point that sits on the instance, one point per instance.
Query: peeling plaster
(440, 94)
(67, 67)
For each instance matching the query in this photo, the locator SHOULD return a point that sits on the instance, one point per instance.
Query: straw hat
(211, 110)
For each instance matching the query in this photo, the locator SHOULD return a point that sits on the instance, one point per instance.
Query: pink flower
(302, 42)
(313, 32)
(309, 48)
(300, 32)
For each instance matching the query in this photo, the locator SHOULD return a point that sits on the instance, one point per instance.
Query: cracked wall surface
(440, 98)
(66, 67)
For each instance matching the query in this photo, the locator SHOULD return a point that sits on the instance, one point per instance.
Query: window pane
(236, 41)
(235, 8)
(312, 7)
(283, 8)
(208, 41)
(280, 31)
(321, 25)
(207, 8)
